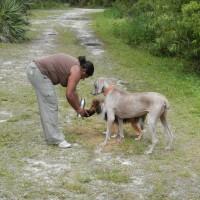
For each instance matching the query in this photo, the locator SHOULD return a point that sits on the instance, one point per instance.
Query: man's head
(87, 67)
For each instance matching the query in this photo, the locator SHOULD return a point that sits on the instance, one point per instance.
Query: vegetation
(47, 4)
(91, 2)
(59, 3)
(170, 28)
(114, 175)
(13, 20)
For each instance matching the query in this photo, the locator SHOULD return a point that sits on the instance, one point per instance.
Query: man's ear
(83, 73)
(83, 70)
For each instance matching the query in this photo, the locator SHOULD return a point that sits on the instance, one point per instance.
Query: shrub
(90, 2)
(13, 20)
(170, 28)
(190, 30)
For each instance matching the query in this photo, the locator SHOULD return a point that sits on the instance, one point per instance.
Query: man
(43, 74)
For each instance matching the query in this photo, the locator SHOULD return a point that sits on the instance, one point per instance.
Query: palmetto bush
(13, 20)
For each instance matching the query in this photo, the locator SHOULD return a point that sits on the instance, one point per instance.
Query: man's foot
(64, 144)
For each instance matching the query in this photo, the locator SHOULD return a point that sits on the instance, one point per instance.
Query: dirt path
(30, 169)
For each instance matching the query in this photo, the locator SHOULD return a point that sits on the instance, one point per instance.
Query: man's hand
(83, 112)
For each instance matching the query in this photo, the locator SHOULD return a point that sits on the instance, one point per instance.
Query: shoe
(64, 144)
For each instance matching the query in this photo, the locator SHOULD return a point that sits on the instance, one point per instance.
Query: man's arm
(71, 94)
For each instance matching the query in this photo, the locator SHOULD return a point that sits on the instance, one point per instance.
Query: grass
(74, 187)
(83, 178)
(113, 175)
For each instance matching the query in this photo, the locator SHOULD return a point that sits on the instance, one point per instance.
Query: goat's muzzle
(95, 108)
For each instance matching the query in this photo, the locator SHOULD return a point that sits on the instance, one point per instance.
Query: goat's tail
(166, 107)
(166, 104)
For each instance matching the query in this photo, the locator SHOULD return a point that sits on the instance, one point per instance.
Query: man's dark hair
(87, 65)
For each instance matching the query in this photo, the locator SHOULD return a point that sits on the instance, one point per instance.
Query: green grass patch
(160, 191)
(113, 175)
(130, 146)
(84, 179)
(74, 187)
(21, 117)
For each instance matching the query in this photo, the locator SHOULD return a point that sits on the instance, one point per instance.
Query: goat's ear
(102, 90)
(101, 84)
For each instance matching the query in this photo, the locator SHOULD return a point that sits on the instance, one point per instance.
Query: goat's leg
(120, 130)
(138, 129)
(109, 127)
(152, 126)
(115, 130)
(107, 134)
(167, 131)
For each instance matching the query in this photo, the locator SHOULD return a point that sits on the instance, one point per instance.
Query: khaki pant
(48, 104)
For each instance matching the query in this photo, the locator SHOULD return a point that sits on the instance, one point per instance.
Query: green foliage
(13, 20)
(47, 4)
(170, 28)
(190, 29)
(100, 2)
(114, 175)
(90, 2)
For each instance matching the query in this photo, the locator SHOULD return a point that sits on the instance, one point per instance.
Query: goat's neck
(107, 89)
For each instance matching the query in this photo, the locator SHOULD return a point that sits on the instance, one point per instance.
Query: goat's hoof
(138, 138)
(114, 136)
(103, 144)
(148, 152)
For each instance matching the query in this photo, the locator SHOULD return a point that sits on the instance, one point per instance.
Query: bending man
(43, 74)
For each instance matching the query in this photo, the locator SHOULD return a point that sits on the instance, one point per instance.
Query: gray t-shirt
(57, 67)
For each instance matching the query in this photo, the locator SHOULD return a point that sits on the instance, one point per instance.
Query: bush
(170, 28)
(190, 30)
(13, 20)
